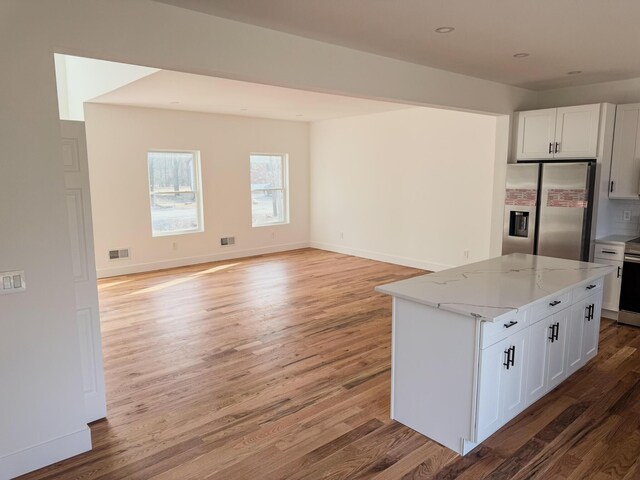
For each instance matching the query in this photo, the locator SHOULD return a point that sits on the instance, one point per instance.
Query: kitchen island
(475, 345)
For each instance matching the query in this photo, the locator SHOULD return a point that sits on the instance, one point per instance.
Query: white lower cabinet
(583, 332)
(575, 334)
(611, 254)
(537, 362)
(502, 382)
(522, 368)
(557, 351)
(591, 332)
(546, 366)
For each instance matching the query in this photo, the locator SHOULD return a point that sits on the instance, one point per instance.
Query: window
(269, 200)
(174, 191)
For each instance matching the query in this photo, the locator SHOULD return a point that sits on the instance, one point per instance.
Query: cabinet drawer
(609, 252)
(549, 306)
(586, 289)
(494, 332)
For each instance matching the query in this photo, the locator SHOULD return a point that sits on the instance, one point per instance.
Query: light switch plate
(12, 282)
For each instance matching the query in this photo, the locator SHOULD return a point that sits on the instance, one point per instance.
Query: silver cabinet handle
(631, 259)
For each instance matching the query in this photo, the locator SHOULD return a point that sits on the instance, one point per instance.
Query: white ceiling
(598, 37)
(184, 91)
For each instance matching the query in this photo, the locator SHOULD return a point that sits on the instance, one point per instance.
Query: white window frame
(284, 189)
(197, 177)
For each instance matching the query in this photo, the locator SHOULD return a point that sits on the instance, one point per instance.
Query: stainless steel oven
(630, 291)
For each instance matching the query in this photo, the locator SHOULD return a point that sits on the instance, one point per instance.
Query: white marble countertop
(495, 289)
(616, 239)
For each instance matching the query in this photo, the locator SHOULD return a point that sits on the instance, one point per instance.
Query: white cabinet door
(591, 333)
(576, 134)
(612, 285)
(625, 161)
(536, 370)
(575, 333)
(492, 371)
(536, 134)
(556, 353)
(502, 393)
(513, 390)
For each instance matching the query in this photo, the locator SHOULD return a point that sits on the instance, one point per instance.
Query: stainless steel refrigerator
(548, 209)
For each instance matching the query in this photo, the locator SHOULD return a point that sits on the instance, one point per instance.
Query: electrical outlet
(466, 254)
(341, 235)
(626, 216)
(175, 245)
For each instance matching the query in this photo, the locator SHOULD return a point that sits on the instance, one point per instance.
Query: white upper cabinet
(577, 132)
(625, 162)
(566, 132)
(536, 134)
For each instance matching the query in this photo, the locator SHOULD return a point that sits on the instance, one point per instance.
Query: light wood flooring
(278, 367)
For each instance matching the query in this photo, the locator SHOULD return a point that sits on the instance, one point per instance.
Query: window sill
(172, 234)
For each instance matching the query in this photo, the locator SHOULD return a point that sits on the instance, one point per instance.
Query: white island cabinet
(475, 345)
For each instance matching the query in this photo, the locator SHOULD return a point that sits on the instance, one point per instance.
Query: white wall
(618, 92)
(413, 187)
(118, 140)
(39, 354)
(80, 79)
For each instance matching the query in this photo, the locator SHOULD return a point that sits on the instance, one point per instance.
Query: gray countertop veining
(495, 289)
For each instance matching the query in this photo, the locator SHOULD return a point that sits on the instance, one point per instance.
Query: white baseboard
(232, 253)
(381, 257)
(610, 314)
(46, 453)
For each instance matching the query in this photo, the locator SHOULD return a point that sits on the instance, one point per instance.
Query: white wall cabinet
(625, 160)
(613, 255)
(536, 134)
(566, 132)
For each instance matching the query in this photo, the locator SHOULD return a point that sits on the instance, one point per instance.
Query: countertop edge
(498, 318)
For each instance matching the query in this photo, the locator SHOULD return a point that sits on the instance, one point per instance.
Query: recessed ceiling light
(574, 72)
(445, 29)
(521, 55)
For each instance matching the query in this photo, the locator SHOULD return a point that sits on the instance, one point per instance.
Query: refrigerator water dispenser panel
(519, 224)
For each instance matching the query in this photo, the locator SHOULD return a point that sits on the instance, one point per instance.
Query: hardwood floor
(278, 367)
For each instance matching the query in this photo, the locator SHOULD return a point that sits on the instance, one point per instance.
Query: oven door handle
(632, 259)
